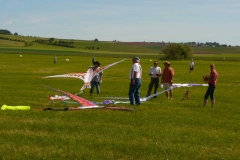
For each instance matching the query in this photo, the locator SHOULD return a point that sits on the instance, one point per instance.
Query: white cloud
(9, 22)
(37, 20)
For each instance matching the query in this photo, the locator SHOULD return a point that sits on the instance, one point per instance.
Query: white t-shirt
(154, 71)
(191, 64)
(137, 68)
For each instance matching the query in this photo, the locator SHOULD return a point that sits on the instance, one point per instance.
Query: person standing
(155, 73)
(211, 85)
(55, 59)
(167, 79)
(191, 66)
(135, 76)
(96, 80)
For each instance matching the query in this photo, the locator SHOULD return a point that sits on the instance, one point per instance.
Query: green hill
(77, 45)
(54, 46)
(7, 43)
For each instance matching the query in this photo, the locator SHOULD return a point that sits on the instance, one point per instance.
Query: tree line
(52, 41)
(4, 31)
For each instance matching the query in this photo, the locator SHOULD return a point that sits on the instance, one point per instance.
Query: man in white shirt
(135, 76)
(191, 66)
(155, 73)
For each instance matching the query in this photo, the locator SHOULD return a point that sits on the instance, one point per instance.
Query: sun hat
(136, 58)
(166, 62)
(96, 62)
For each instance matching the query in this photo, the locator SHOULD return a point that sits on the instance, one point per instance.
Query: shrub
(177, 51)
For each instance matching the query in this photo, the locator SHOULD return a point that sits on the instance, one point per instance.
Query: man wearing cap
(135, 76)
(96, 79)
(167, 79)
(155, 73)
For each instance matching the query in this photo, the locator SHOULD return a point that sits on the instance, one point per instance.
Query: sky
(125, 20)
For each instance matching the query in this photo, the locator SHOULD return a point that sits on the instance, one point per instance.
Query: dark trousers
(210, 91)
(93, 84)
(154, 82)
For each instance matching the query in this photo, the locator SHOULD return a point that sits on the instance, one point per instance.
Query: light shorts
(166, 86)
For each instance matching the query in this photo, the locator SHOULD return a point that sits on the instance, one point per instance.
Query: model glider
(144, 99)
(84, 104)
(86, 77)
(57, 97)
(187, 85)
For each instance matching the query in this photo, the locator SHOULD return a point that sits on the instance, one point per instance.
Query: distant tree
(93, 47)
(4, 31)
(97, 48)
(51, 40)
(177, 51)
(95, 40)
(223, 45)
(15, 34)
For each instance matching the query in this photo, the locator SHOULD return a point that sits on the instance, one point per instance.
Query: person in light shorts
(167, 79)
(166, 86)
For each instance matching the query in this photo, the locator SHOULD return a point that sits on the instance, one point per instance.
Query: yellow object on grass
(5, 107)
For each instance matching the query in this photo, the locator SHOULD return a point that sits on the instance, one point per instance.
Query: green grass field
(158, 129)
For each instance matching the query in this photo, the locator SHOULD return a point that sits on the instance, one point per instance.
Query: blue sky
(125, 20)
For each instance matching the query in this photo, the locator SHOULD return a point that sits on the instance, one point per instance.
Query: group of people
(158, 76)
(166, 80)
(155, 72)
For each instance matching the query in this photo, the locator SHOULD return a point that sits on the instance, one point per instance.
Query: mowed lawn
(158, 129)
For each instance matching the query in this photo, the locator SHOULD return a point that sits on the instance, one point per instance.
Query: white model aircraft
(87, 76)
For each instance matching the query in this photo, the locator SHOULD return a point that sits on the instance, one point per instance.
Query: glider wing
(86, 77)
(105, 67)
(90, 74)
(84, 103)
(71, 75)
(186, 85)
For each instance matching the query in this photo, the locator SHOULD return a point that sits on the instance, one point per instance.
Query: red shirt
(167, 75)
(213, 77)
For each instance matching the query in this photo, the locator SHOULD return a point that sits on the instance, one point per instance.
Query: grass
(158, 129)
(4, 43)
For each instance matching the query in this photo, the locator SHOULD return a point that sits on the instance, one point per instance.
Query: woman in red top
(211, 85)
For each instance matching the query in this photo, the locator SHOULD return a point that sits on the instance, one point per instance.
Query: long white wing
(92, 74)
(70, 75)
(86, 77)
(187, 85)
(105, 67)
